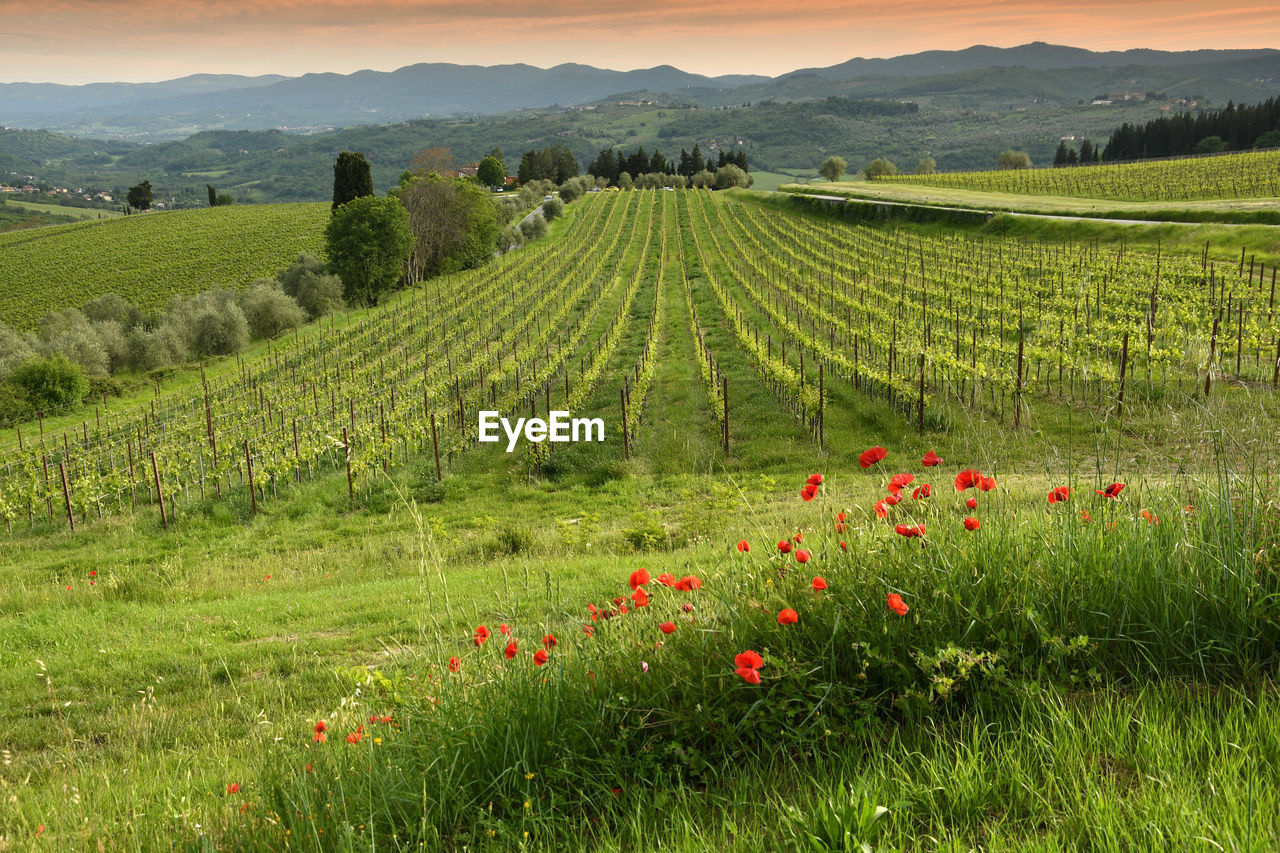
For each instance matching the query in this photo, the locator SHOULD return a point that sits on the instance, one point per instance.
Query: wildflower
(748, 659)
(540, 657)
(844, 546)
(588, 630)
(386, 718)
(986, 483)
(881, 510)
(819, 584)
(454, 663)
(839, 527)
(319, 737)
(869, 457)
(749, 675)
(639, 578)
(967, 479)
(667, 579)
(644, 666)
(972, 523)
(743, 546)
(93, 573)
(233, 788)
(787, 616)
(373, 719)
(1060, 495)
(922, 491)
(510, 651)
(814, 480)
(910, 530)
(972, 503)
(482, 634)
(504, 629)
(1112, 491)
(1149, 516)
(623, 610)
(1085, 517)
(687, 607)
(784, 546)
(640, 597)
(667, 627)
(808, 493)
(931, 459)
(802, 556)
(897, 605)
(355, 737)
(799, 537)
(1188, 509)
(898, 481)
(550, 641)
(689, 582)
(893, 499)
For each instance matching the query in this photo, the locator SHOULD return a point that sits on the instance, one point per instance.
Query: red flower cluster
(748, 665)
(810, 489)
(1060, 495)
(910, 531)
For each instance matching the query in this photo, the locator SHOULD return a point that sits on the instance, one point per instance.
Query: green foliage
(453, 222)
(219, 331)
(880, 168)
(730, 175)
(352, 178)
(1209, 145)
(52, 382)
(846, 821)
(140, 196)
(15, 406)
(1011, 159)
(552, 209)
(269, 310)
(491, 172)
(926, 166)
(14, 350)
(533, 227)
(832, 168)
(367, 243)
(1270, 139)
(148, 259)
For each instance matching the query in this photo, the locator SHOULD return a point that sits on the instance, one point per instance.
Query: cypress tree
(352, 178)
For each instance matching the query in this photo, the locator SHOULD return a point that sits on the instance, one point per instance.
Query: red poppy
(1060, 495)
(986, 483)
(93, 573)
(867, 458)
(386, 719)
(799, 537)
(814, 480)
(748, 659)
(922, 491)
(319, 737)
(320, 727)
(667, 627)
(550, 641)
(881, 510)
(504, 629)
(639, 578)
(540, 657)
(893, 500)
(840, 516)
(784, 546)
(930, 459)
(640, 597)
(510, 651)
(743, 546)
(355, 737)
(967, 479)
(748, 674)
(233, 788)
(910, 530)
(667, 579)
(623, 610)
(482, 634)
(1150, 517)
(844, 547)
(802, 556)
(787, 616)
(1112, 491)
(972, 523)
(972, 503)
(374, 718)
(1085, 517)
(588, 630)
(689, 582)
(819, 583)
(454, 663)
(898, 481)
(808, 492)
(617, 600)
(687, 607)
(897, 605)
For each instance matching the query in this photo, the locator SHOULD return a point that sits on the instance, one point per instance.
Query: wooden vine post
(66, 496)
(724, 397)
(248, 464)
(1124, 367)
(155, 472)
(346, 450)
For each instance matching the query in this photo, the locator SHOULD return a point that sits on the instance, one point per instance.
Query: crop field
(1254, 174)
(895, 537)
(150, 257)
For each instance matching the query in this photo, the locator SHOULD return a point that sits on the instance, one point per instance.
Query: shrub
(1013, 160)
(319, 294)
(510, 238)
(533, 227)
(291, 277)
(703, 180)
(69, 333)
(52, 382)
(269, 310)
(880, 168)
(14, 350)
(219, 332)
(731, 176)
(108, 306)
(551, 209)
(15, 407)
(149, 349)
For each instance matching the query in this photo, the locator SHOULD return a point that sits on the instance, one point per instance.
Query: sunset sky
(79, 41)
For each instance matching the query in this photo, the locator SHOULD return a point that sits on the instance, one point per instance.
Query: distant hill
(978, 77)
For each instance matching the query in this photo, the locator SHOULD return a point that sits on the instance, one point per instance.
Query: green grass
(150, 257)
(83, 213)
(203, 654)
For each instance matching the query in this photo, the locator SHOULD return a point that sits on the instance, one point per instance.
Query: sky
(82, 41)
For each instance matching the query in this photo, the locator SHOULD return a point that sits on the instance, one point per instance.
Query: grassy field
(149, 258)
(1054, 683)
(83, 213)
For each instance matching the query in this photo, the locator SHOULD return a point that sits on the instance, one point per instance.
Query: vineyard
(148, 258)
(1254, 174)
(816, 313)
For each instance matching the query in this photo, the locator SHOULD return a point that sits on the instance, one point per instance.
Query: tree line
(1233, 128)
(611, 165)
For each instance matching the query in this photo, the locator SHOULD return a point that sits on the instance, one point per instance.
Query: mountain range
(978, 77)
